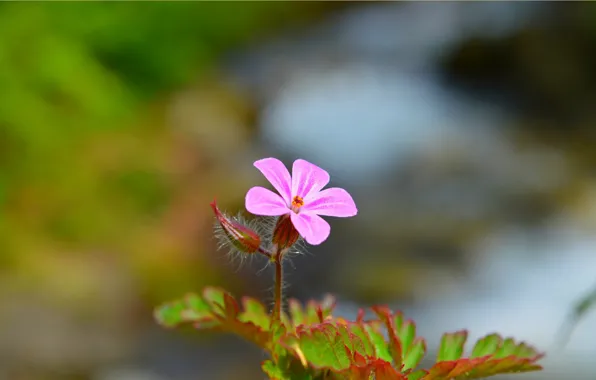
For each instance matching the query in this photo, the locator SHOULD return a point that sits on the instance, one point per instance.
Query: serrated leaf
(359, 330)
(375, 369)
(322, 347)
(307, 344)
(290, 372)
(415, 354)
(486, 346)
(277, 331)
(378, 342)
(407, 333)
(254, 311)
(395, 348)
(313, 313)
(417, 375)
(491, 356)
(405, 348)
(218, 310)
(214, 296)
(188, 309)
(296, 312)
(352, 341)
(452, 346)
(451, 369)
(273, 371)
(343, 348)
(508, 347)
(384, 370)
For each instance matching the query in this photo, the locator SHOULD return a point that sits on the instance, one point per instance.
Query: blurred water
(361, 121)
(359, 94)
(515, 294)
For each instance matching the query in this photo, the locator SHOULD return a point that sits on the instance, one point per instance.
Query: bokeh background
(465, 132)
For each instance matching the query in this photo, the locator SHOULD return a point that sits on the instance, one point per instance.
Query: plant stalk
(278, 287)
(264, 252)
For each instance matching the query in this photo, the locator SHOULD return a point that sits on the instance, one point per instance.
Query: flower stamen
(297, 202)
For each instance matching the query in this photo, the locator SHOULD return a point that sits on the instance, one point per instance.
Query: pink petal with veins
(276, 173)
(307, 178)
(311, 227)
(330, 202)
(261, 201)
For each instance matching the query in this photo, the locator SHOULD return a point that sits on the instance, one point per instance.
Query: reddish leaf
(218, 310)
(375, 369)
(395, 348)
(452, 346)
(308, 342)
(498, 357)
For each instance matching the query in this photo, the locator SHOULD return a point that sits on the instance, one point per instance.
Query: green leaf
(359, 330)
(492, 355)
(191, 308)
(485, 346)
(324, 348)
(275, 371)
(215, 298)
(339, 347)
(406, 331)
(378, 342)
(417, 375)
(278, 330)
(452, 345)
(309, 345)
(216, 309)
(254, 312)
(414, 355)
(395, 347)
(405, 349)
(375, 369)
(296, 312)
(315, 312)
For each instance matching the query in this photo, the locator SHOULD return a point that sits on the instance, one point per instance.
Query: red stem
(278, 287)
(263, 251)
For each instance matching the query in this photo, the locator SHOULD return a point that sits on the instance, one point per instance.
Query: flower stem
(264, 252)
(278, 287)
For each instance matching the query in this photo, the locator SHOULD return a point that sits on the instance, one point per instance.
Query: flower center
(297, 202)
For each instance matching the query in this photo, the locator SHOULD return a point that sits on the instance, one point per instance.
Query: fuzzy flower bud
(240, 236)
(284, 234)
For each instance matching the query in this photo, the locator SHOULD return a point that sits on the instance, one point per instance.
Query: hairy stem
(278, 287)
(265, 252)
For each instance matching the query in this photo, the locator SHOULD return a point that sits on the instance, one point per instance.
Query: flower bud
(240, 236)
(284, 234)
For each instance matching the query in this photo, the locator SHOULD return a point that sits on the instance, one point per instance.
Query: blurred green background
(104, 201)
(120, 122)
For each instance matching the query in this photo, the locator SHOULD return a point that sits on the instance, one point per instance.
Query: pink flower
(300, 195)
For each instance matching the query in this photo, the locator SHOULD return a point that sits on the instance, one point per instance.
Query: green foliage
(84, 149)
(309, 343)
(218, 310)
(491, 355)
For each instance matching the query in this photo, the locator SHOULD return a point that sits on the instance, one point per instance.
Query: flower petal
(307, 178)
(261, 201)
(276, 173)
(311, 227)
(331, 202)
